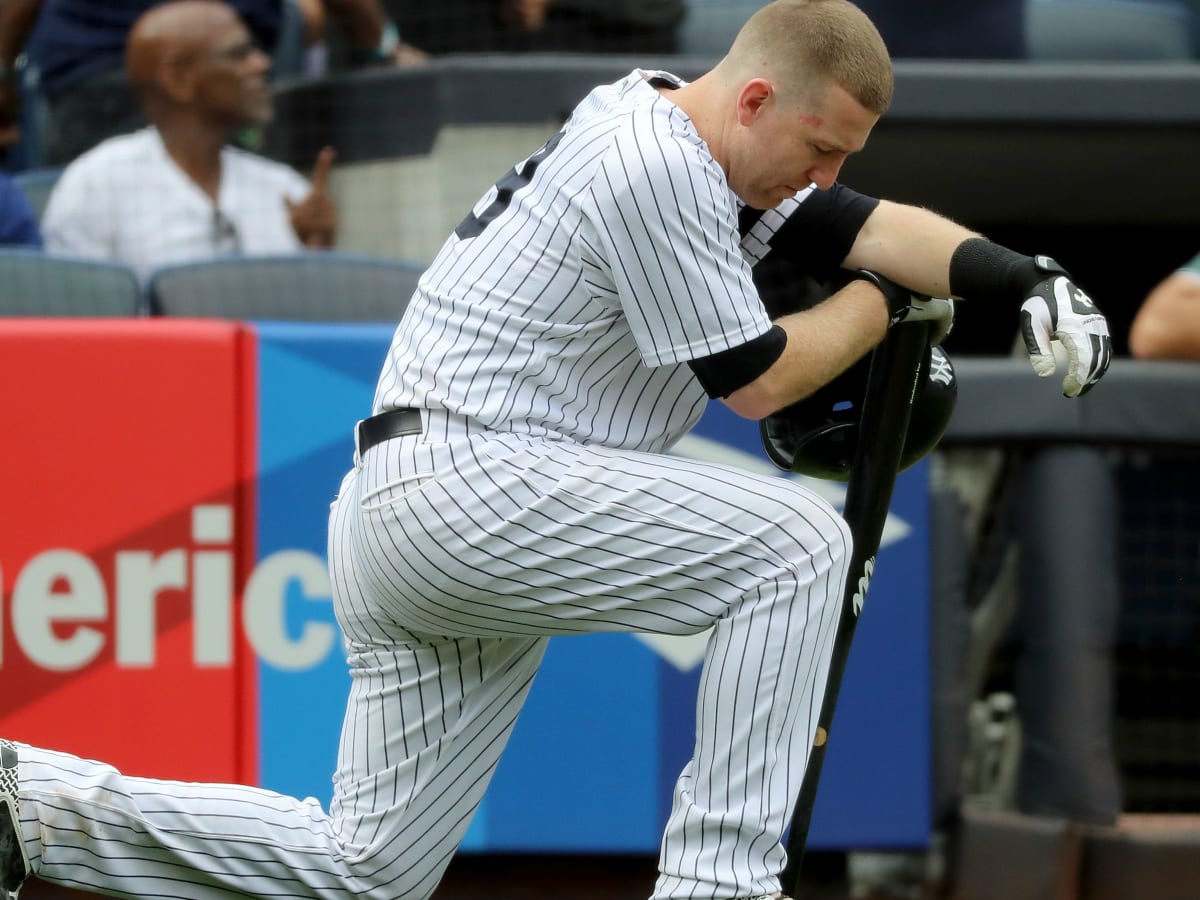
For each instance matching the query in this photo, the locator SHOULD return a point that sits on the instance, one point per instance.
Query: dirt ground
(491, 877)
(598, 878)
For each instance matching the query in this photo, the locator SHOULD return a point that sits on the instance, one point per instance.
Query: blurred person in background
(950, 29)
(920, 29)
(176, 191)
(1167, 324)
(370, 36)
(18, 222)
(539, 26)
(77, 49)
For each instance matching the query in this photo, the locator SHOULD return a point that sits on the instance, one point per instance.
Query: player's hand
(1057, 310)
(314, 219)
(936, 310)
(905, 306)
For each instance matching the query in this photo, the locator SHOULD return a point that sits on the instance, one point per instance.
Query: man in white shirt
(176, 191)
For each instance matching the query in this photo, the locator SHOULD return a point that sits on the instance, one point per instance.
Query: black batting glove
(905, 306)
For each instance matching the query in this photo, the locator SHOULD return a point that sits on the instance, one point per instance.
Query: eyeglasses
(225, 236)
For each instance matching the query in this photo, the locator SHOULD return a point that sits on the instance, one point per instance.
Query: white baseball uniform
(547, 349)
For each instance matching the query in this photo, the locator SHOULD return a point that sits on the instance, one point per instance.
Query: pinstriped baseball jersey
(583, 281)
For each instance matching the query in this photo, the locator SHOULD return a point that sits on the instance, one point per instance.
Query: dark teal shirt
(77, 38)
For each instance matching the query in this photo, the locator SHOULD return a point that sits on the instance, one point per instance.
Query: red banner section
(125, 534)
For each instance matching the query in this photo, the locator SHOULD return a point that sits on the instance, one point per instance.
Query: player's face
(232, 77)
(789, 146)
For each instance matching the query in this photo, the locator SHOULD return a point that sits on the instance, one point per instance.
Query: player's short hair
(805, 44)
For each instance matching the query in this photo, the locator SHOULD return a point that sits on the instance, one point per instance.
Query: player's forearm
(822, 342)
(910, 245)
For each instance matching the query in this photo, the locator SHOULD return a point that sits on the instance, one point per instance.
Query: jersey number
(513, 181)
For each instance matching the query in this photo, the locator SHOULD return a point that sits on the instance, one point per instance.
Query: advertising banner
(121, 553)
(166, 604)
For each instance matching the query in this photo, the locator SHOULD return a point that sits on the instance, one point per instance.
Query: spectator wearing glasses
(176, 191)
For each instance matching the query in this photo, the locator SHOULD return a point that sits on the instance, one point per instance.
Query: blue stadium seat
(42, 284)
(317, 286)
(36, 185)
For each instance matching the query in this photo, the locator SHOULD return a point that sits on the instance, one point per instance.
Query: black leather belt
(387, 425)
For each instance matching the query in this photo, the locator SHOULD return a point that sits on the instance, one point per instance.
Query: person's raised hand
(314, 219)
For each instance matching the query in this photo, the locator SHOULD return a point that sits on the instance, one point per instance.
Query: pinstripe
(675, 192)
(584, 558)
(548, 351)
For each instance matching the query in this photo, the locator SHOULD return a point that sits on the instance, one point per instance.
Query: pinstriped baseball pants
(452, 565)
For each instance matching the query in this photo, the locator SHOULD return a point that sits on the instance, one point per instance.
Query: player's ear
(751, 98)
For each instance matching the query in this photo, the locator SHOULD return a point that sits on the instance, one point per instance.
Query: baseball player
(511, 484)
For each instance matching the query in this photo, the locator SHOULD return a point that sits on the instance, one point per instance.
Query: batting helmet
(817, 435)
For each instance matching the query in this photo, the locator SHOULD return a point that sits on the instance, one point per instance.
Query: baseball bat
(883, 427)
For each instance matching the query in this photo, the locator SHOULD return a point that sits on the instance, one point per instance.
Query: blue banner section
(610, 720)
(314, 383)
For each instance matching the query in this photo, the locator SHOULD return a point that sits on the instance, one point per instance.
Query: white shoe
(14, 861)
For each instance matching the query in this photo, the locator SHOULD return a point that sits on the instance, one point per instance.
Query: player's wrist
(983, 270)
(895, 296)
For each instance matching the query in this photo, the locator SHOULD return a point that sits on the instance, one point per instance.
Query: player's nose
(824, 175)
(825, 171)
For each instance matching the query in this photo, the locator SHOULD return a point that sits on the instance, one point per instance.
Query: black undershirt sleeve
(809, 247)
(819, 233)
(723, 373)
